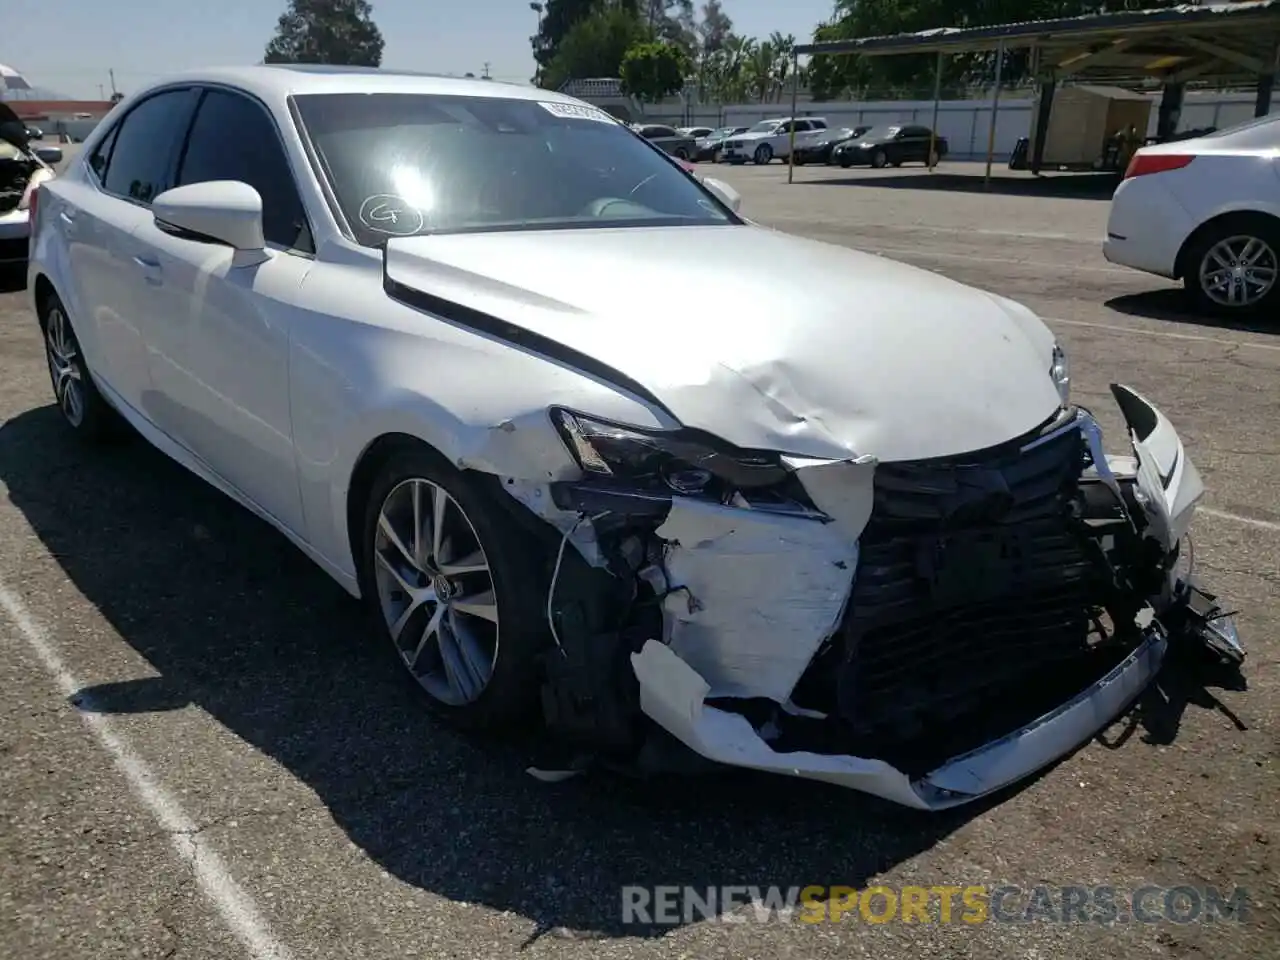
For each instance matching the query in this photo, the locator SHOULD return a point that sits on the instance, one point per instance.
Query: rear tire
(1232, 268)
(487, 611)
(82, 406)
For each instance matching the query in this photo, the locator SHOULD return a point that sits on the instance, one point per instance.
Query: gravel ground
(203, 758)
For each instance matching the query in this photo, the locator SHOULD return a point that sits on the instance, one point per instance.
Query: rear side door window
(234, 138)
(140, 164)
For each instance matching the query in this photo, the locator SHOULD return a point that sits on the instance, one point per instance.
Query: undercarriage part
(15, 174)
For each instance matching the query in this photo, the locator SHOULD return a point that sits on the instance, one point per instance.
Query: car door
(219, 321)
(128, 167)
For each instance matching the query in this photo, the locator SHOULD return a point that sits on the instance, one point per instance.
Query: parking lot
(201, 757)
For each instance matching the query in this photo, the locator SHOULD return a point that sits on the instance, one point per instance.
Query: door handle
(66, 217)
(150, 270)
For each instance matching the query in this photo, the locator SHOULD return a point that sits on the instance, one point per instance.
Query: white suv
(771, 138)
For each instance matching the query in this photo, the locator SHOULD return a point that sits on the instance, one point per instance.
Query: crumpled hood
(764, 339)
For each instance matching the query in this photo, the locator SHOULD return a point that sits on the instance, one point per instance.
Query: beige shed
(1084, 117)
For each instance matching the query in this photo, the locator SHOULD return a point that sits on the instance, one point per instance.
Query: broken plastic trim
(588, 438)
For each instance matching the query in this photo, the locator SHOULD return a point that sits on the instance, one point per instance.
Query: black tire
(1256, 227)
(844, 161)
(799, 160)
(879, 159)
(763, 154)
(88, 414)
(933, 159)
(513, 687)
(682, 153)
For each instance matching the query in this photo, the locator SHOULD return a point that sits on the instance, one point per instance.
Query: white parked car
(771, 139)
(23, 168)
(395, 316)
(1206, 212)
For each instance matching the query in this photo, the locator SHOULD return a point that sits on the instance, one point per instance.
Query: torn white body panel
(672, 694)
(1169, 483)
(762, 591)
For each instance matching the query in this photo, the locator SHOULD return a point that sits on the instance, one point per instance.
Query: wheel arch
(42, 291)
(1243, 216)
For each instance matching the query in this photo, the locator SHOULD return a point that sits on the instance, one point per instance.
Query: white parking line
(1236, 518)
(1165, 334)
(233, 904)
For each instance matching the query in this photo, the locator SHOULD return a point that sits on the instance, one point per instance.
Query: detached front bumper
(756, 604)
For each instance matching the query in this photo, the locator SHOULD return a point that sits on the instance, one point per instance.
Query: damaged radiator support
(973, 606)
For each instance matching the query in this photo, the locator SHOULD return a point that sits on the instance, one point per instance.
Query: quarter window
(233, 138)
(140, 164)
(102, 153)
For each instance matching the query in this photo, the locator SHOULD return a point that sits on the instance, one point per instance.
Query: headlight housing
(678, 461)
(1060, 371)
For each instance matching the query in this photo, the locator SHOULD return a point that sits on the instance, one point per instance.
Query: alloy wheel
(63, 355)
(436, 591)
(1238, 271)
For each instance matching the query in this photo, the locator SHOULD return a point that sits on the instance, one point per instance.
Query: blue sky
(68, 45)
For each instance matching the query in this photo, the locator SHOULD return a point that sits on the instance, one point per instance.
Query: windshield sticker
(575, 111)
(387, 213)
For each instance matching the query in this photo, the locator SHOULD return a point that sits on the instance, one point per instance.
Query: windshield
(406, 164)
(881, 133)
(844, 133)
(764, 126)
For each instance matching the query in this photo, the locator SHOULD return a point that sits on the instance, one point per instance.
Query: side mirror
(50, 155)
(726, 194)
(218, 211)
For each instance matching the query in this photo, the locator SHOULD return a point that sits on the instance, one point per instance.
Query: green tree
(653, 70)
(326, 31)
(558, 18)
(595, 46)
(715, 27)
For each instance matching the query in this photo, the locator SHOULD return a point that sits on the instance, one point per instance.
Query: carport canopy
(1224, 43)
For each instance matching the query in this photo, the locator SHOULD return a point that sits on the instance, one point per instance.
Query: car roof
(276, 82)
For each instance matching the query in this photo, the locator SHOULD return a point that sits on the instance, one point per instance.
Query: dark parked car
(669, 139)
(896, 145)
(819, 151)
(708, 147)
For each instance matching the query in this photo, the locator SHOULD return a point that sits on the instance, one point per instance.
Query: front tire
(1233, 268)
(763, 154)
(845, 161)
(879, 159)
(450, 586)
(82, 406)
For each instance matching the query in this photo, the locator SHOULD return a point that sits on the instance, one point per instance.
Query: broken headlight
(1060, 370)
(679, 462)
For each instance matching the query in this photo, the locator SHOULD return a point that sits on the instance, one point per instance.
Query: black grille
(971, 608)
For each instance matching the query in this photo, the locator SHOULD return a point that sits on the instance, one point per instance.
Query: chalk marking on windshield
(387, 213)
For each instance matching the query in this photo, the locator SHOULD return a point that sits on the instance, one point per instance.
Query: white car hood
(808, 348)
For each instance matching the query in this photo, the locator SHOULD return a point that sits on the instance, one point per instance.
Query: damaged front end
(925, 631)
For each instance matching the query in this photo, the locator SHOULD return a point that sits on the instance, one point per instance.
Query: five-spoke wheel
(436, 591)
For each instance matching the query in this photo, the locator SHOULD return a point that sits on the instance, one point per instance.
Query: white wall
(965, 123)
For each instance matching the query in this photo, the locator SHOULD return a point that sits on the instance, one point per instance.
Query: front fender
(1169, 485)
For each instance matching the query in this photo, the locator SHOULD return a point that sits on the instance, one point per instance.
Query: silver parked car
(669, 139)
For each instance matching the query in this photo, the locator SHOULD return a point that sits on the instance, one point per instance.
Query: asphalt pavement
(202, 756)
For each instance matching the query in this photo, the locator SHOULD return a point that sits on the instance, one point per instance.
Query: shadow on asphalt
(1071, 186)
(235, 620)
(1171, 304)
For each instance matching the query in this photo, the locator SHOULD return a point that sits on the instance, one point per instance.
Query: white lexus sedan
(1207, 212)
(397, 317)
